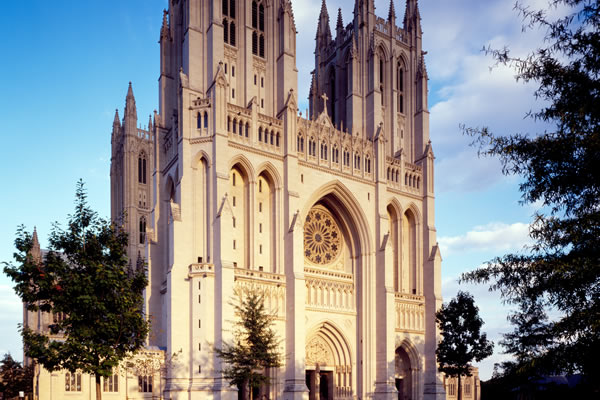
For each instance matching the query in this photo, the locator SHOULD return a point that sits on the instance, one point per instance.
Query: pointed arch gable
(382, 50)
(199, 157)
(414, 210)
(332, 335)
(413, 352)
(245, 165)
(271, 171)
(351, 206)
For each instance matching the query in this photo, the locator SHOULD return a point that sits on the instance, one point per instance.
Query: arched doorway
(328, 364)
(404, 381)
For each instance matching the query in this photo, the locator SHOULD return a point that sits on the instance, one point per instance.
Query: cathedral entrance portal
(320, 384)
(403, 375)
(328, 365)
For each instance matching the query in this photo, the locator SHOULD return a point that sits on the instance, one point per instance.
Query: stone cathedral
(330, 214)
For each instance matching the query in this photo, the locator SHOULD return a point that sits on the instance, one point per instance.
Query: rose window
(322, 237)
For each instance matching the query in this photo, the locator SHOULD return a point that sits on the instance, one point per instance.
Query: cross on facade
(325, 98)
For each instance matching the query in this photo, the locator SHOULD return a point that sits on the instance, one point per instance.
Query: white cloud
(495, 236)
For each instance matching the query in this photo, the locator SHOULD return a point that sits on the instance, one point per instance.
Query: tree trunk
(459, 389)
(98, 391)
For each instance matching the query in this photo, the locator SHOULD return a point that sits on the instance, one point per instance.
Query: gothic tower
(372, 73)
(131, 167)
(330, 216)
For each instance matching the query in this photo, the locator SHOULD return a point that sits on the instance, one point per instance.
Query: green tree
(462, 339)
(255, 346)
(86, 277)
(555, 283)
(14, 378)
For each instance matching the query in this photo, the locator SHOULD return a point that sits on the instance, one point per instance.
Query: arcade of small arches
(325, 153)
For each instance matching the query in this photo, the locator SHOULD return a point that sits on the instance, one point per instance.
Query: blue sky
(66, 66)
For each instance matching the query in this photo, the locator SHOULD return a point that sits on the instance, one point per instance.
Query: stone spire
(130, 108)
(412, 16)
(36, 251)
(323, 29)
(340, 22)
(116, 121)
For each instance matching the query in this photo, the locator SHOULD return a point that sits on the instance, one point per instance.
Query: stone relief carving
(318, 352)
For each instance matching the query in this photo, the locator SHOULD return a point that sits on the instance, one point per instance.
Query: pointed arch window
(229, 31)
(258, 26)
(205, 120)
(142, 168)
(381, 78)
(142, 230)
(400, 87)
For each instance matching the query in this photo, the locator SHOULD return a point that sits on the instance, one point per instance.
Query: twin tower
(330, 215)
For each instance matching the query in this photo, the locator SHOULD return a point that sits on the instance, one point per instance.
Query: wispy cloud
(497, 236)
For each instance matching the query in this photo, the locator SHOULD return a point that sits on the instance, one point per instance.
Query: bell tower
(131, 169)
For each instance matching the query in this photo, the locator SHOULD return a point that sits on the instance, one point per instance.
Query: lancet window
(400, 87)
(142, 230)
(381, 72)
(142, 168)
(258, 26)
(300, 143)
(229, 31)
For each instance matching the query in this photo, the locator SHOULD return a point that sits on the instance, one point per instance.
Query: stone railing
(404, 175)
(239, 124)
(266, 132)
(201, 269)
(329, 290)
(271, 285)
(410, 313)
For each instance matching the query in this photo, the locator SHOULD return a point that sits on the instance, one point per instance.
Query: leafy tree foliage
(555, 284)
(462, 339)
(86, 277)
(255, 346)
(14, 378)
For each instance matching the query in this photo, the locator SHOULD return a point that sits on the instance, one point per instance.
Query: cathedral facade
(330, 214)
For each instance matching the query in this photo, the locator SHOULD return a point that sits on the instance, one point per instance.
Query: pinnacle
(117, 119)
(130, 90)
(35, 237)
(324, 8)
(392, 12)
(35, 251)
(340, 22)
